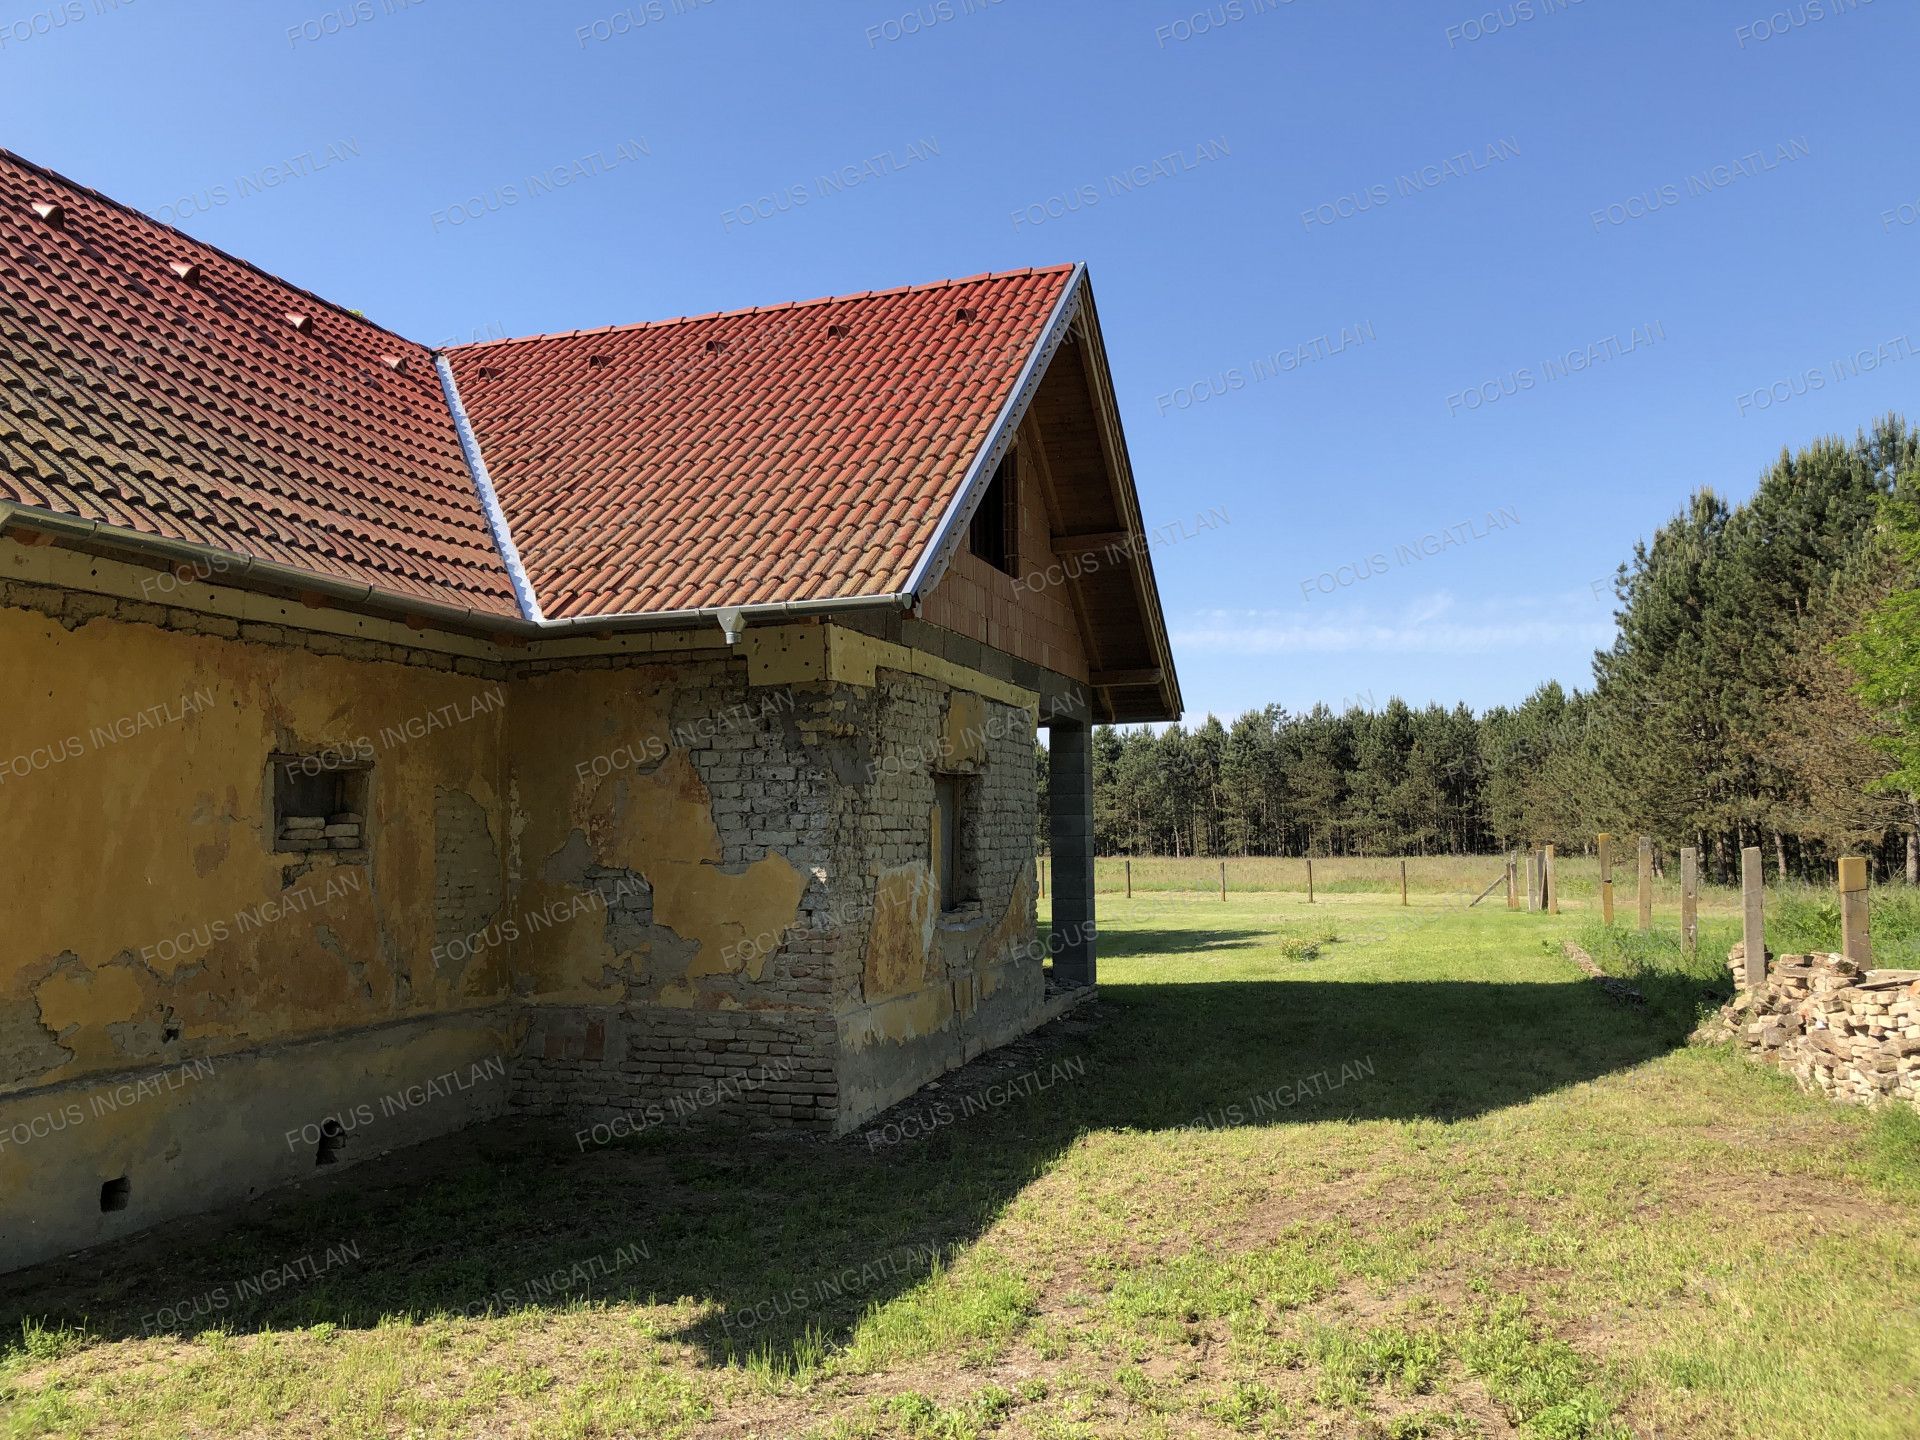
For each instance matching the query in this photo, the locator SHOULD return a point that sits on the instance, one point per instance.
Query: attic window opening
(320, 803)
(994, 534)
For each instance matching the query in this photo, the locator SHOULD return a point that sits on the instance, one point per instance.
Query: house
(631, 725)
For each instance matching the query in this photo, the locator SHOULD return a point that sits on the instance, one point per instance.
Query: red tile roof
(798, 452)
(194, 407)
(802, 452)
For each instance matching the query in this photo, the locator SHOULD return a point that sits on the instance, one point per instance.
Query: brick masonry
(1850, 1033)
(840, 780)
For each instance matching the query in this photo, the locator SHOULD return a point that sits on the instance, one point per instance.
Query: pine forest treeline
(1756, 693)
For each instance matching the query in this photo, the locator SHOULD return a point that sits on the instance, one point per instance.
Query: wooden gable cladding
(1083, 601)
(1031, 615)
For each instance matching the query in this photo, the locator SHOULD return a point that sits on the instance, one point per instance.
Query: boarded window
(995, 533)
(953, 798)
(319, 803)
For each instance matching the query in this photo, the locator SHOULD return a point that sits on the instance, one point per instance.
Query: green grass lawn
(1347, 1170)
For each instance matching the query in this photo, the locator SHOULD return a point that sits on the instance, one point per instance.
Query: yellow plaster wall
(131, 863)
(595, 771)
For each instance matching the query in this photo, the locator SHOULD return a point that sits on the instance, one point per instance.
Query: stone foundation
(1850, 1033)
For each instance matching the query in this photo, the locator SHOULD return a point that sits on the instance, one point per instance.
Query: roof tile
(802, 451)
(190, 411)
(674, 477)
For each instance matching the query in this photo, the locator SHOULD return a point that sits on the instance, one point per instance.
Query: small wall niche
(320, 803)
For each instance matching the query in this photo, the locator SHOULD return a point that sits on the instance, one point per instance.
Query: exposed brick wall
(912, 733)
(755, 1050)
(921, 1006)
(629, 1070)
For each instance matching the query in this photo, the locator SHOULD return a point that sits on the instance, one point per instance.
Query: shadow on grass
(1131, 942)
(780, 1245)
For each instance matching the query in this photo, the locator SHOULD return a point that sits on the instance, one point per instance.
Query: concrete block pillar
(1070, 787)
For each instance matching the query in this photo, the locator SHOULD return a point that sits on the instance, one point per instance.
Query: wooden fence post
(1644, 875)
(1403, 882)
(1129, 878)
(1753, 929)
(1223, 882)
(1690, 898)
(1856, 943)
(1532, 899)
(1309, 880)
(1550, 881)
(1513, 883)
(1605, 846)
(1043, 877)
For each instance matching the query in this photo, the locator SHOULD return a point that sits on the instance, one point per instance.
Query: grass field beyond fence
(1800, 916)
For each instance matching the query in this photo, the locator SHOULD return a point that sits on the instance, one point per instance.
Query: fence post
(1644, 875)
(1690, 898)
(1309, 880)
(1551, 881)
(1129, 878)
(1753, 929)
(1605, 846)
(1531, 903)
(1513, 883)
(1403, 882)
(1043, 877)
(1223, 882)
(1855, 941)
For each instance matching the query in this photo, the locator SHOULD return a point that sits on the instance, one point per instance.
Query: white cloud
(1434, 624)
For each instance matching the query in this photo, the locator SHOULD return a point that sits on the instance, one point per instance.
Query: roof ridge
(637, 325)
(54, 175)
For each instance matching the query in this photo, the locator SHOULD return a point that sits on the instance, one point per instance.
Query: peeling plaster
(177, 822)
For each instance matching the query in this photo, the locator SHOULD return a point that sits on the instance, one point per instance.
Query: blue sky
(1420, 313)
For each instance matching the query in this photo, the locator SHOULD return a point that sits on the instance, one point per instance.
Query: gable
(803, 453)
(1084, 602)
